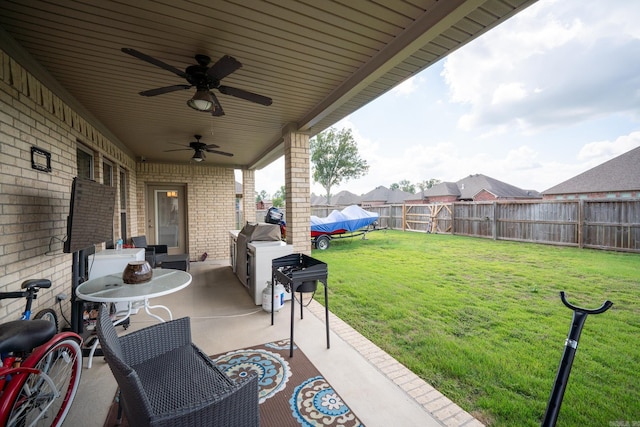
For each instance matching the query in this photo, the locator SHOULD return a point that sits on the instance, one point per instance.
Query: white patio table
(112, 289)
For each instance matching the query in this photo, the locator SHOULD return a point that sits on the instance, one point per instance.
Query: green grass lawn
(482, 321)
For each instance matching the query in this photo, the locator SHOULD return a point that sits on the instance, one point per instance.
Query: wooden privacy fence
(601, 224)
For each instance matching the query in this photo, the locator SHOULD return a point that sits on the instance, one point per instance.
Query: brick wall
(442, 199)
(210, 199)
(484, 196)
(248, 195)
(34, 204)
(298, 198)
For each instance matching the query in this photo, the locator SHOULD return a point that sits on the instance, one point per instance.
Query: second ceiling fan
(204, 78)
(200, 148)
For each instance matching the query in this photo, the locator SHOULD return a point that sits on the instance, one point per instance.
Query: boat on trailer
(351, 221)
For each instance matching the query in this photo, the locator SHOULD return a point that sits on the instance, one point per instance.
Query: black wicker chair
(152, 253)
(165, 380)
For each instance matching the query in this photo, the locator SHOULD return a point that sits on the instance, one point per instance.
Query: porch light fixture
(198, 156)
(201, 101)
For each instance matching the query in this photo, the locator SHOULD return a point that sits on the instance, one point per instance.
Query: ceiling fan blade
(249, 96)
(225, 66)
(162, 90)
(217, 110)
(209, 147)
(154, 61)
(178, 149)
(222, 153)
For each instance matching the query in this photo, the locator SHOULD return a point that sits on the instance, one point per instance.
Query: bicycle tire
(48, 314)
(36, 402)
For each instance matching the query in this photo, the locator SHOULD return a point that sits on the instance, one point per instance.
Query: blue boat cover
(351, 218)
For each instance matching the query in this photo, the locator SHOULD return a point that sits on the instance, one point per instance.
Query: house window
(123, 190)
(84, 162)
(123, 204)
(107, 173)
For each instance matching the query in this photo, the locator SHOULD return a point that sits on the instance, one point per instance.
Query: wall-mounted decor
(40, 159)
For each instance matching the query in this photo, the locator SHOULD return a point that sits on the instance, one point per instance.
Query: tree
(262, 196)
(279, 197)
(423, 185)
(407, 186)
(335, 158)
(404, 185)
(428, 183)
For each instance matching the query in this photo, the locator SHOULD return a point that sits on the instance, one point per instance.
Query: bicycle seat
(36, 283)
(25, 335)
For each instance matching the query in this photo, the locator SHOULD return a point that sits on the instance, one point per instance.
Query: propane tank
(278, 302)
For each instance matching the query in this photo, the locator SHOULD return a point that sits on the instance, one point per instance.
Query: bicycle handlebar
(604, 307)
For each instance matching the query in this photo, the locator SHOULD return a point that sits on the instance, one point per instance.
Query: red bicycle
(41, 368)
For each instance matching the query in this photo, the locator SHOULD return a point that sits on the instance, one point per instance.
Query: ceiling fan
(200, 148)
(204, 78)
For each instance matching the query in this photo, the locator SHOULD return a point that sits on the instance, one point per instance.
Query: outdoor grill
(299, 273)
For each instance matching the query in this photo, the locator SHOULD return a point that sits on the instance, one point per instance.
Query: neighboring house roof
(473, 184)
(378, 194)
(385, 195)
(318, 200)
(467, 188)
(345, 198)
(443, 189)
(621, 173)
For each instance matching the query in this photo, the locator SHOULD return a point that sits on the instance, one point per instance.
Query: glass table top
(111, 288)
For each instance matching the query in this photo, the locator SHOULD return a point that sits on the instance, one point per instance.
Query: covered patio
(378, 389)
(71, 77)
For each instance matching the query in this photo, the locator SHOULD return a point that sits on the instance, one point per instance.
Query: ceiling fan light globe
(201, 101)
(198, 156)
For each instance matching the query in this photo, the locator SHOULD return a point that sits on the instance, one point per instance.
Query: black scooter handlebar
(604, 307)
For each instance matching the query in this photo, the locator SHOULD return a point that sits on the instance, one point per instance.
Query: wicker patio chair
(165, 380)
(152, 253)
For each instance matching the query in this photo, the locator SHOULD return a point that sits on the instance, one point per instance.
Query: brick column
(298, 201)
(248, 196)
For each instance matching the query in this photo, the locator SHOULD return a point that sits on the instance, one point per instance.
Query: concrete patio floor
(379, 390)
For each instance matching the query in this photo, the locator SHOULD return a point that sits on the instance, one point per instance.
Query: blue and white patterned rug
(292, 391)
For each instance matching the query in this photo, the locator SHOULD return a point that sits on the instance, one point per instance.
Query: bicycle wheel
(48, 314)
(44, 399)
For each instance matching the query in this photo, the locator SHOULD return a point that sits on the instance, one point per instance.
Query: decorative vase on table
(137, 272)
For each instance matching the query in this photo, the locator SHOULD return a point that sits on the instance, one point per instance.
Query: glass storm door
(166, 221)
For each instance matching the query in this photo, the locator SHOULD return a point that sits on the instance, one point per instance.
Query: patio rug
(292, 392)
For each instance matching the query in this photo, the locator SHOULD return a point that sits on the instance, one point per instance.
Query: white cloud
(547, 66)
(408, 86)
(601, 151)
(509, 92)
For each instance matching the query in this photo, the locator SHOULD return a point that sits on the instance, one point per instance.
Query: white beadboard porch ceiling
(319, 60)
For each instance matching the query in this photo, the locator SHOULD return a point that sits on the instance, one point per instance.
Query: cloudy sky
(550, 93)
